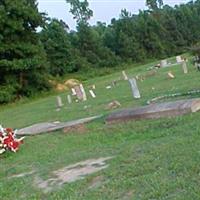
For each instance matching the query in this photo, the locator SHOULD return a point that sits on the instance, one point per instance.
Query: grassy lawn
(152, 159)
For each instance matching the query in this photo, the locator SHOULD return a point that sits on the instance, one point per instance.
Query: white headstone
(170, 75)
(163, 63)
(92, 94)
(73, 91)
(59, 102)
(69, 99)
(124, 75)
(108, 87)
(83, 92)
(134, 88)
(179, 59)
(184, 66)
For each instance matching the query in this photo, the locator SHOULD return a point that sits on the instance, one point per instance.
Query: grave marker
(156, 111)
(79, 93)
(69, 99)
(163, 63)
(83, 92)
(170, 75)
(73, 92)
(92, 94)
(124, 75)
(184, 66)
(59, 102)
(179, 59)
(134, 88)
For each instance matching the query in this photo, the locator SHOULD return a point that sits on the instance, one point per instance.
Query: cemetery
(99, 100)
(123, 128)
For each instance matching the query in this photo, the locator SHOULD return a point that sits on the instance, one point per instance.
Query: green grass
(153, 159)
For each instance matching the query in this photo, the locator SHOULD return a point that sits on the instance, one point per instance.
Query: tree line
(28, 59)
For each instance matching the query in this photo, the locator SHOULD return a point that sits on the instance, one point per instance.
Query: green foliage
(154, 4)
(22, 57)
(57, 45)
(80, 10)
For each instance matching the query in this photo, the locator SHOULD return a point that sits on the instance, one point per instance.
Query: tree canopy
(28, 57)
(22, 57)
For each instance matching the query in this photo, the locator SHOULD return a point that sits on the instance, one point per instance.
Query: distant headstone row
(78, 92)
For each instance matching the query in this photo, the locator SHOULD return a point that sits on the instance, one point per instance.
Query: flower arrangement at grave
(8, 140)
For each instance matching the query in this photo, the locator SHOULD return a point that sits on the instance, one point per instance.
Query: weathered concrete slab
(156, 111)
(51, 126)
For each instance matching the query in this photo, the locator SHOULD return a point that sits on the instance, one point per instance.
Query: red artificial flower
(8, 140)
(9, 130)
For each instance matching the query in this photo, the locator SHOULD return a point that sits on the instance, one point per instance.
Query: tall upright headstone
(124, 75)
(163, 63)
(83, 92)
(59, 103)
(79, 93)
(184, 66)
(134, 88)
(69, 99)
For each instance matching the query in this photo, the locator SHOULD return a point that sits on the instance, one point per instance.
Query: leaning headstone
(79, 93)
(59, 103)
(108, 87)
(124, 75)
(170, 75)
(73, 92)
(92, 93)
(179, 59)
(163, 63)
(184, 66)
(69, 99)
(134, 88)
(83, 92)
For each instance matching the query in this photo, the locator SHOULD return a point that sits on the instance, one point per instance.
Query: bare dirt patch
(80, 128)
(71, 173)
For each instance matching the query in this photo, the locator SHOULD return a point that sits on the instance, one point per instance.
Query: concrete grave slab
(51, 126)
(155, 111)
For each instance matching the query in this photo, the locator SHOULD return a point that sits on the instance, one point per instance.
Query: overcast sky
(103, 10)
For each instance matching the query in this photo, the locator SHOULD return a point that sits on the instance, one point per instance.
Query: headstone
(92, 93)
(113, 105)
(108, 87)
(184, 66)
(163, 63)
(170, 75)
(73, 92)
(124, 75)
(134, 88)
(83, 92)
(59, 102)
(79, 93)
(69, 99)
(179, 59)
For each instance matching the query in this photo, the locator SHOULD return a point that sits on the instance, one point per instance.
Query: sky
(103, 10)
